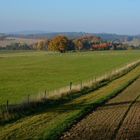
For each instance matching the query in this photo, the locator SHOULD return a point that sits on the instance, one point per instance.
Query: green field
(51, 122)
(23, 73)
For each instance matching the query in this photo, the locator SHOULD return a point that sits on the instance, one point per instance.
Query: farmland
(117, 119)
(69, 70)
(51, 122)
(12, 40)
(23, 73)
(30, 72)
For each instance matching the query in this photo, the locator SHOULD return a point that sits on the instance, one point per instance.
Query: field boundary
(54, 127)
(87, 110)
(91, 83)
(11, 112)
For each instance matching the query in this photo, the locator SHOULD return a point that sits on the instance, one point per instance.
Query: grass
(52, 122)
(10, 113)
(23, 73)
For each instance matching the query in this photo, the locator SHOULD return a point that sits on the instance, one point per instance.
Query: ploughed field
(118, 119)
(108, 121)
(31, 73)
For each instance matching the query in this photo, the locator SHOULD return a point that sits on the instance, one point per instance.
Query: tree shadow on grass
(15, 112)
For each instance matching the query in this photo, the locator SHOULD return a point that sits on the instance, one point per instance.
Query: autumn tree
(85, 42)
(59, 43)
(78, 44)
(41, 45)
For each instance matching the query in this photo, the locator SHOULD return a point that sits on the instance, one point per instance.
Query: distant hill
(2, 34)
(47, 35)
(30, 32)
(135, 42)
(43, 34)
(111, 37)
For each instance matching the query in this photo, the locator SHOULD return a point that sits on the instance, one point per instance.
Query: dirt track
(119, 119)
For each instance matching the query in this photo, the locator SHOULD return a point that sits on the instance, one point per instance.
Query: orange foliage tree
(59, 43)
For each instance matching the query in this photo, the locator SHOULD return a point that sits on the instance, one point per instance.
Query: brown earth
(118, 119)
(131, 125)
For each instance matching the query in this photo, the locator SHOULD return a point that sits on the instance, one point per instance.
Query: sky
(93, 16)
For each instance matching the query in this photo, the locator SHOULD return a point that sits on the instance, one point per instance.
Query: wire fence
(70, 89)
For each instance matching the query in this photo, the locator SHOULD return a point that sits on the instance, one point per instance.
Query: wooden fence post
(92, 80)
(81, 85)
(28, 99)
(7, 106)
(2, 110)
(95, 82)
(70, 86)
(45, 94)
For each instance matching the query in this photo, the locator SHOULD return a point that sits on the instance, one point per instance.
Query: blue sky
(98, 16)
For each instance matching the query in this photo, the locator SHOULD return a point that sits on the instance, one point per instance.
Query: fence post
(45, 94)
(2, 110)
(7, 106)
(92, 80)
(95, 83)
(70, 86)
(28, 99)
(81, 85)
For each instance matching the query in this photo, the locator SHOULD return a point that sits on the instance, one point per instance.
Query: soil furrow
(111, 120)
(130, 129)
(125, 115)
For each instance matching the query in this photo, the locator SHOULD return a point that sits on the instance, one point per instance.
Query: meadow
(51, 122)
(30, 72)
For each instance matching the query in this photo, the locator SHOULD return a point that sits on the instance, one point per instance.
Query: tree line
(62, 44)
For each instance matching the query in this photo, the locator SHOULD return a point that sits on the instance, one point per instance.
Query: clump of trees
(59, 43)
(86, 42)
(62, 44)
(40, 45)
(101, 46)
(17, 46)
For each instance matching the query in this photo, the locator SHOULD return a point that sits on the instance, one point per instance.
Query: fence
(91, 84)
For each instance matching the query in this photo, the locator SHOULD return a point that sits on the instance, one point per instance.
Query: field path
(119, 119)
